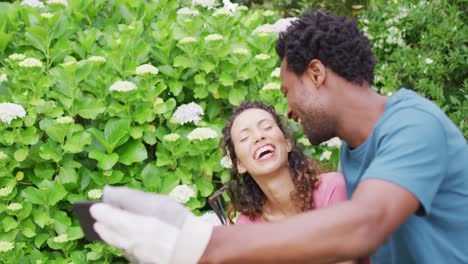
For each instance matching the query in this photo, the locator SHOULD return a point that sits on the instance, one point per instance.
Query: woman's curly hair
(246, 196)
(334, 40)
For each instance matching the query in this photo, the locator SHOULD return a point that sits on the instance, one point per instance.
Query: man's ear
(241, 169)
(316, 72)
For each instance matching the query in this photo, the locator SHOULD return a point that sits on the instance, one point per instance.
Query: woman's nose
(259, 136)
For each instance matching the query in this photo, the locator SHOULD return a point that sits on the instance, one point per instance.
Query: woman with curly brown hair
(270, 178)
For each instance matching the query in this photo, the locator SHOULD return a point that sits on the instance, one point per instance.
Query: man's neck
(361, 109)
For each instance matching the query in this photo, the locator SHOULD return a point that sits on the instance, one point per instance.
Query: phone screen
(81, 209)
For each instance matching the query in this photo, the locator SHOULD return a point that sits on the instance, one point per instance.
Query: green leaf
(105, 161)
(90, 107)
(150, 177)
(143, 113)
(40, 239)
(56, 193)
(61, 221)
(133, 151)
(183, 61)
(50, 151)
(237, 95)
(75, 233)
(207, 66)
(42, 218)
(28, 228)
(204, 186)
(4, 40)
(68, 176)
(77, 142)
(44, 170)
(21, 154)
(34, 195)
(55, 131)
(9, 223)
(38, 37)
(29, 136)
(226, 79)
(169, 182)
(116, 130)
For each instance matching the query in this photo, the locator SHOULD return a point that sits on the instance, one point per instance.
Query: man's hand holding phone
(150, 228)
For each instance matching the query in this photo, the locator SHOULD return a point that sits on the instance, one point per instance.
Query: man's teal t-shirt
(415, 145)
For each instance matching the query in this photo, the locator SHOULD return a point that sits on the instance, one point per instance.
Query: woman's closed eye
(268, 128)
(243, 139)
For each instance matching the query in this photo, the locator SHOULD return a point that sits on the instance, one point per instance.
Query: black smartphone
(81, 209)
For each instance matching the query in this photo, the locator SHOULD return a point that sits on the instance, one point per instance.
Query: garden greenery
(135, 93)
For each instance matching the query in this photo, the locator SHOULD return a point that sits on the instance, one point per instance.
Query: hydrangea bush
(422, 45)
(134, 93)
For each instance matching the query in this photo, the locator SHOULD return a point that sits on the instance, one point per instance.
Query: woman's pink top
(331, 190)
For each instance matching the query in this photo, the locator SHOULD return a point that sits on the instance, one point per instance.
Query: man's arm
(344, 231)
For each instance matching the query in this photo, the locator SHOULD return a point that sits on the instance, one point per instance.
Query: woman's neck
(277, 188)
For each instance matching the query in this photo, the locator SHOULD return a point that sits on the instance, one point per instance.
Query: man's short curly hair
(334, 40)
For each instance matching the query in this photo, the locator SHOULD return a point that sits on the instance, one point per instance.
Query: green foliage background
(118, 138)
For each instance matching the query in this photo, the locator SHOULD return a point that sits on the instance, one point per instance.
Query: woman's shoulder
(331, 189)
(332, 178)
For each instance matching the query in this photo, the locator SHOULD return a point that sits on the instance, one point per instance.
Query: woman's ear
(241, 169)
(288, 145)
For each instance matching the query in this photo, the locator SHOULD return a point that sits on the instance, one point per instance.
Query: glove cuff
(191, 241)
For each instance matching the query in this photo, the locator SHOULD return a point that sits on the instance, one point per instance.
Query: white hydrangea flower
(333, 142)
(222, 12)
(272, 86)
(389, 93)
(30, 63)
(326, 155)
(226, 162)
(17, 56)
(62, 238)
(15, 207)
(187, 11)
(57, 2)
(3, 156)
(211, 218)
(188, 40)
(146, 68)
(213, 37)
(230, 7)
(95, 194)
(171, 137)
(182, 193)
(266, 28)
(3, 77)
(5, 191)
(122, 86)
(47, 15)
(240, 51)
(10, 111)
(283, 23)
(97, 59)
(428, 60)
(64, 120)
(6, 246)
(32, 3)
(205, 3)
(268, 13)
(202, 133)
(188, 113)
(276, 72)
(262, 56)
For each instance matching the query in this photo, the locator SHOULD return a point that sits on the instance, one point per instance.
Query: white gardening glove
(150, 228)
